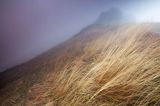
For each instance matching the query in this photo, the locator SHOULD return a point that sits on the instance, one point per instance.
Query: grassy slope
(98, 67)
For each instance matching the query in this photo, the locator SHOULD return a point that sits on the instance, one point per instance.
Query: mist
(31, 27)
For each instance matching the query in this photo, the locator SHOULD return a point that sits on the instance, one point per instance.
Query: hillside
(100, 66)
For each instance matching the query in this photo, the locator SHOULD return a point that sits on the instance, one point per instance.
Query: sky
(31, 27)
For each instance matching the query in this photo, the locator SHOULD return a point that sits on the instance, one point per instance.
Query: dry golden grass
(119, 67)
(124, 70)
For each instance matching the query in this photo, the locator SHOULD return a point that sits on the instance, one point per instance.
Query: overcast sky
(30, 27)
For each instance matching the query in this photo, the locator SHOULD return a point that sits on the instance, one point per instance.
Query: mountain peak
(113, 16)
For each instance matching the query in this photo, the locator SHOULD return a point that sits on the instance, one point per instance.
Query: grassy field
(119, 67)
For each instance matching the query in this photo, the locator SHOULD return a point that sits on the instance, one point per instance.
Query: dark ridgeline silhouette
(114, 16)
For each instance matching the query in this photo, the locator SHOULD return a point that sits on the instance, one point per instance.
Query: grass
(119, 67)
(126, 72)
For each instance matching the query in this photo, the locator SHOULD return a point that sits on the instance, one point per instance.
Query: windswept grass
(115, 67)
(124, 71)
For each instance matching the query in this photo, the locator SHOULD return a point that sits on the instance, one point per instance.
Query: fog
(31, 27)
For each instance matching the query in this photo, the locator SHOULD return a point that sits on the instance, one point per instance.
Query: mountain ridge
(114, 16)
